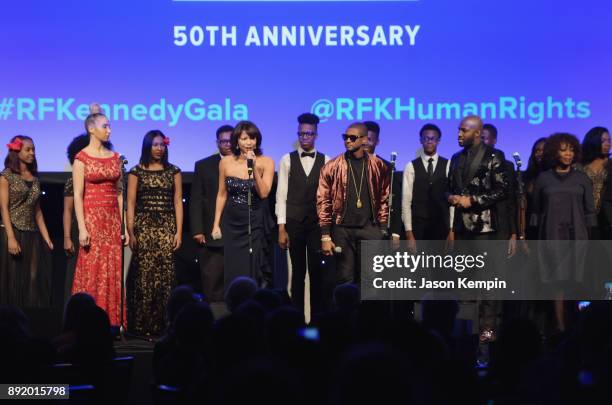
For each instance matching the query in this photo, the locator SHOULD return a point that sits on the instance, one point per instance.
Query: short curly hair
(553, 146)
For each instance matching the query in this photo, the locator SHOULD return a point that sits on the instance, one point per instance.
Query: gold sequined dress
(151, 275)
(25, 279)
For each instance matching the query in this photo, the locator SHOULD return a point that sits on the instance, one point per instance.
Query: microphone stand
(389, 235)
(390, 205)
(249, 231)
(522, 202)
(122, 328)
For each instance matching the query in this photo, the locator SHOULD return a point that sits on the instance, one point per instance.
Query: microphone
(250, 166)
(123, 160)
(337, 250)
(517, 159)
(393, 158)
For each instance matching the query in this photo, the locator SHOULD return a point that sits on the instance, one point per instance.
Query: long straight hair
(147, 144)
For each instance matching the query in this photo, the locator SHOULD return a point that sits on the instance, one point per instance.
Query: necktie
(430, 167)
(309, 154)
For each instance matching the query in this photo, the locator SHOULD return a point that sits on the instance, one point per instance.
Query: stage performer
(98, 203)
(155, 226)
(595, 164)
(478, 181)
(296, 212)
(71, 230)
(425, 211)
(563, 209)
(202, 209)
(352, 202)
(25, 259)
(396, 228)
(232, 210)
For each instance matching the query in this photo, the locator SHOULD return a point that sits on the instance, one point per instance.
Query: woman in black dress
(535, 166)
(563, 210)
(595, 153)
(25, 258)
(232, 210)
(155, 226)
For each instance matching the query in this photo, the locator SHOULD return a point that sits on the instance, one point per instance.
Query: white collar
(300, 150)
(426, 157)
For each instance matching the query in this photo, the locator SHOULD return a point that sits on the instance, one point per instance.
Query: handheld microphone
(517, 159)
(337, 250)
(250, 166)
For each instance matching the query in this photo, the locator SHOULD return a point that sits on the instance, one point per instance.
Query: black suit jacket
(397, 226)
(204, 198)
(507, 208)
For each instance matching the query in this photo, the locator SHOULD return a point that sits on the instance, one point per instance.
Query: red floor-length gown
(98, 269)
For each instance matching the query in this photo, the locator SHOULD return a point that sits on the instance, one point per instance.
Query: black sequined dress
(235, 225)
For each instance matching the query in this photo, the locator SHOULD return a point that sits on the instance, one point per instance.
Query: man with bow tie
(296, 212)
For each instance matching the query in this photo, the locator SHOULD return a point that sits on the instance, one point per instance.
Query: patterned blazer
(486, 180)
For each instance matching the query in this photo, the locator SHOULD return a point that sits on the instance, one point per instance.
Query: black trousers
(349, 239)
(489, 311)
(305, 243)
(211, 272)
(429, 229)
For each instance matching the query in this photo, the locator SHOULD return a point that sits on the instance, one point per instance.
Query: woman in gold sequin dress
(25, 260)
(154, 220)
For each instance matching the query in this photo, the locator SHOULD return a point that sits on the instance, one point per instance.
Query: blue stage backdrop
(186, 67)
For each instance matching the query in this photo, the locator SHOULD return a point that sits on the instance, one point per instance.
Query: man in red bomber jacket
(352, 202)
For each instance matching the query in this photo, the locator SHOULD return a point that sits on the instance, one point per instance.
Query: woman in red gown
(97, 201)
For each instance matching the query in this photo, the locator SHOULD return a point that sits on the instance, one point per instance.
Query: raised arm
(263, 178)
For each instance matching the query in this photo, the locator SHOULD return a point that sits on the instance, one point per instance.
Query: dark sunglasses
(353, 138)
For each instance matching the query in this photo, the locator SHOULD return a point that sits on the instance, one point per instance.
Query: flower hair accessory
(166, 141)
(16, 145)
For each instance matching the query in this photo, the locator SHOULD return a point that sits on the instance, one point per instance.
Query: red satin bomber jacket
(332, 191)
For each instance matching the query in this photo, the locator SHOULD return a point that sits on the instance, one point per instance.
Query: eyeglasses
(353, 138)
(224, 141)
(306, 134)
(429, 139)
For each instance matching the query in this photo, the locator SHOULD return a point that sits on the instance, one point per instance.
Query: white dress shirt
(283, 181)
(407, 189)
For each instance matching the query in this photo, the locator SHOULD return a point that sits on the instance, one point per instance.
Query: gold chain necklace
(359, 204)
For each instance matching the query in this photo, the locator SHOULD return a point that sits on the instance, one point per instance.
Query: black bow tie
(309, 154)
